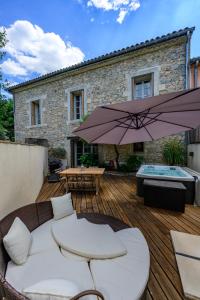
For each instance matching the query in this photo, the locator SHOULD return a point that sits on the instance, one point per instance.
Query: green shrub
(89, 160)
(58, 152)
(174, 152)
(134, 162)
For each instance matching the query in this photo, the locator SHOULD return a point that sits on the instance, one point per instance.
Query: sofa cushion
(57, 289)
(87, 239)
(17, 242)
(124, 277)
(49, 265)
(71, 255)
(42, 238)
(62, 206)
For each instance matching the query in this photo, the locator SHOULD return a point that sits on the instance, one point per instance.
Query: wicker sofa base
(33, 216)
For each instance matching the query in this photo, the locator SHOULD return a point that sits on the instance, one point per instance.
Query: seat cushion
(17, 242)
(57, 289)
(42, 239)
(71, 255)
(87, 239)
(49, 265)
(189, 270)
(186, 243)
(124, 277)
(62, 206)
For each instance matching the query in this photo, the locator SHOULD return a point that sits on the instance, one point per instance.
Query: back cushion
(28, 215)
(45, 212)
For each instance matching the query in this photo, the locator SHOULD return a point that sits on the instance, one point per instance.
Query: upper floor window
(35, 112)
(77, 105)
(142, 86)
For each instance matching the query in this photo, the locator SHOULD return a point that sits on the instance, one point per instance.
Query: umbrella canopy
(142, 120)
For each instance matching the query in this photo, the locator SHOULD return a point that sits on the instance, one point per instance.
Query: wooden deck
(118, 198)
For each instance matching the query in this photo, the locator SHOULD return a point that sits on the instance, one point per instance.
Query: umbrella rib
(178, 96)
(174, 111)
(125, 132)
(115, 120)
(104, 133)
(173, 123)
(147, 130)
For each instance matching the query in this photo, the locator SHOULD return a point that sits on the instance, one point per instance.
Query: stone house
(49, 108)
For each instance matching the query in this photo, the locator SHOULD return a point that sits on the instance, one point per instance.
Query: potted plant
(174, 152)
(88, 160)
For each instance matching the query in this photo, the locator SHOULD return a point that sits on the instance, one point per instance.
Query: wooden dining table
(79, 175)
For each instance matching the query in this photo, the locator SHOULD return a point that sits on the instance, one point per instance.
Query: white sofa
(121, 278)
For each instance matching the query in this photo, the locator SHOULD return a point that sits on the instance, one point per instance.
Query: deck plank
(118, 198)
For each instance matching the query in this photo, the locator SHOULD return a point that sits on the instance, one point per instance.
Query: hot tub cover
(87, 239)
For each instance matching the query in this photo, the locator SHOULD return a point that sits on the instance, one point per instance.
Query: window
(138, 147)
(35, 113)
(142, 86)
(77, 105)
(84, 148)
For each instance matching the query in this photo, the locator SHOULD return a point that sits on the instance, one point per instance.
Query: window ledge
(73, 122)
(36, 126)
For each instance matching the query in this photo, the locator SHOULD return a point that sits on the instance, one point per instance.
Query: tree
(6, 105)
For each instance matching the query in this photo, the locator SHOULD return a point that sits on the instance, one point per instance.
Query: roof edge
(132, 48)
(194, 59)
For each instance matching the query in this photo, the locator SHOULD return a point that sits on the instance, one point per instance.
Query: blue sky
(50, 34)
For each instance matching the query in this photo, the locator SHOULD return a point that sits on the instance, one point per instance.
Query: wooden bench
(165, 194)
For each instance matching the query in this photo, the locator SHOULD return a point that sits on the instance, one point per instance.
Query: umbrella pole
(117, 156)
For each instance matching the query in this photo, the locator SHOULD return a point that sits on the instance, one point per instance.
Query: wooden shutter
(71, 106)
(32, 113)
(82, 104)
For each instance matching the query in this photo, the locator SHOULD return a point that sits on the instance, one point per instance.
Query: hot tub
(169, 173)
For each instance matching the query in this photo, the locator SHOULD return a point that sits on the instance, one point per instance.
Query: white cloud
(9, 66)
(92, 20)
(123, 6)
(122, 15)
(33, 50)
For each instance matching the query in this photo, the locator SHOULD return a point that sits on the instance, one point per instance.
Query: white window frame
(68, 102)
(40, 98)
(155, 70)
(141, 80)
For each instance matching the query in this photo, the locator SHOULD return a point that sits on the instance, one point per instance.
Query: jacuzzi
(169, 173)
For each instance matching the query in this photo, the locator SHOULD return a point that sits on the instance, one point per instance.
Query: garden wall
(194, 157)
(22, 171)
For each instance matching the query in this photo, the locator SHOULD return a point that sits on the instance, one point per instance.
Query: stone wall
(103, 83)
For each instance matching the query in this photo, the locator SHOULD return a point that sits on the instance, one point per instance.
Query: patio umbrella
(142, 120)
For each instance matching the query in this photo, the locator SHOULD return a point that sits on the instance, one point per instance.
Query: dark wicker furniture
(190, 187)
(165, 194)
(34, 215)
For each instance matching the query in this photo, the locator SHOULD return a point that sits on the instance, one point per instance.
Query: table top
(83, 171)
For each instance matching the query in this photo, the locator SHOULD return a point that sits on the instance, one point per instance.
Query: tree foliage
(6, 105)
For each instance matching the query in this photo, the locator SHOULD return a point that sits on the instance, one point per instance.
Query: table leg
(66, 185)
(97, 184)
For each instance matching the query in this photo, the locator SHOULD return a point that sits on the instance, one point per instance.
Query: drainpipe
(187, 60)
(196, 74)
(187, 82)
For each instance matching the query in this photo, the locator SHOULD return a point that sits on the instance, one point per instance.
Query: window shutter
(71, 106)
(83, 103)
(32, 113)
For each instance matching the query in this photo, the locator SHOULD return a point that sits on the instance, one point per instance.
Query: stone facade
(103, 83)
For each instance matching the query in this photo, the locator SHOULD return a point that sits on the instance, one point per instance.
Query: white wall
(194, 162)
(22, 171)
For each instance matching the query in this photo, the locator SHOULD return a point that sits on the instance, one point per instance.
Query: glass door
(84, 148)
